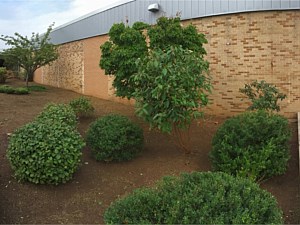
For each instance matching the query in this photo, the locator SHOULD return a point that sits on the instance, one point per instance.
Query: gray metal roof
(99, 22)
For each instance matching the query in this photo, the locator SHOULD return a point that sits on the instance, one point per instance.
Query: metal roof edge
(111, 6)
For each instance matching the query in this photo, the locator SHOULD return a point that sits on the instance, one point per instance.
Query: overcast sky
(27, 16)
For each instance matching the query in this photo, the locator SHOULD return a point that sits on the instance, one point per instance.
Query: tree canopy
(30, 53)
(127, 44)
(163, 68)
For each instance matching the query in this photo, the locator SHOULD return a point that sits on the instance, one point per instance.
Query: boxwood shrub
(82, 106)
(59, 113)
(197, 198)
(253, 145)
(45, 152)
(115, 138)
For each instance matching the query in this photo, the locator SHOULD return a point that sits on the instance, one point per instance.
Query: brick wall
(248, 46)
(241, 48)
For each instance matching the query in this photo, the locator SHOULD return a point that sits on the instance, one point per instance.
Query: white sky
(27, 16)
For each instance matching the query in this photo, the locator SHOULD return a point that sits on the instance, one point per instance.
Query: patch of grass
(37, 88)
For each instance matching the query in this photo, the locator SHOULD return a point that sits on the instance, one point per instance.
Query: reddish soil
(84, 199)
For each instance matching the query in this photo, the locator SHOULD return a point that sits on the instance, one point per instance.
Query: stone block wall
(67, 71)
(241, 48)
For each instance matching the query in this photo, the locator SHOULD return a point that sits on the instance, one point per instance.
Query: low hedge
(20, 90)
(10, 90)
(197, 198)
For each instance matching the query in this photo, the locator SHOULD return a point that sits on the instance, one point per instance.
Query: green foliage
(253, 145)
(171, 86)
(264, 96)
(30, 53)
(3, 75)
(61, 113)
(45, 152)
(168, 32)
(6, 89)
(127, 44)
(10, 90)
(140, 26)
(197, 198)
(36, 88)
(82, 106)
(21, 91)
(115, 138)
(168, 77)
(48, 150)
(119, 55)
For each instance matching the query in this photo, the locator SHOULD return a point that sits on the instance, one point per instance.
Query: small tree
(169, 82)
(30, 53)
(171, 86)
(264, 96)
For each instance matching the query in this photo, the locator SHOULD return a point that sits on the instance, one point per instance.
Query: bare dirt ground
(84, 199)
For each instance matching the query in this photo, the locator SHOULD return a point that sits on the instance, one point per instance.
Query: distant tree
(30, 53)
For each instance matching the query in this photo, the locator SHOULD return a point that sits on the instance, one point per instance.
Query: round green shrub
(115, 138)
(58, 113)
(197, 198)
(45, 152)
(253, 145)
(82, 106)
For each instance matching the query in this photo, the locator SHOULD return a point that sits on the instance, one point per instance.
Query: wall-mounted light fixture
(153, 7)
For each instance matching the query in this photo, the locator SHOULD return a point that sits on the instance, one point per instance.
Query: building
(247, 40)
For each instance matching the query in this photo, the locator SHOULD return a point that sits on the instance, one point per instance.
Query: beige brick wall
(241, 48)
(248, 46)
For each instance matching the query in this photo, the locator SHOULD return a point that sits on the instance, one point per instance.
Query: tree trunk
(30, 76)
(182, 139)
(26, 80)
